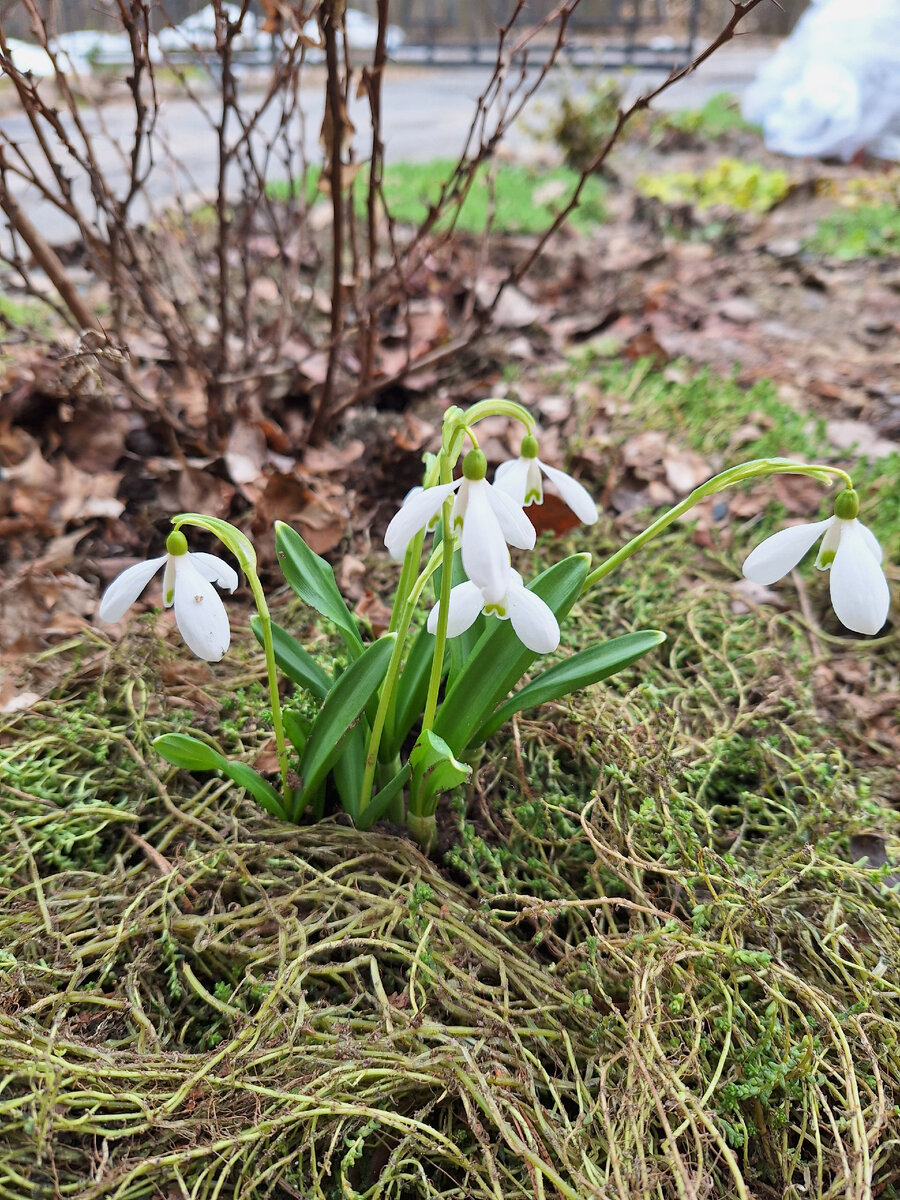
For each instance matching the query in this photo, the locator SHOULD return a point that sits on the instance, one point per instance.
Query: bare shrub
(286, 277)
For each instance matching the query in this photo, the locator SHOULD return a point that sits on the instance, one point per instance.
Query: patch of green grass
(515, 199)
(512, 199)
(719, 116)
(703, 410)
(29, 314)
(869, 231)
(729, 182)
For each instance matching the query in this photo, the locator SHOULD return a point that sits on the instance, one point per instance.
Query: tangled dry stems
(671, 983)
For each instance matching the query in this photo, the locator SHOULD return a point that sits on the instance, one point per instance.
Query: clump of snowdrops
(405, 718)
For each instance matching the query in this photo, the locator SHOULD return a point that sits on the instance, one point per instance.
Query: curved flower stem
(496, 407)
(407, 578)
(440, 638)
(749, 470)
(458, 423)
(389, 687)
(269, 650)
(242, 549)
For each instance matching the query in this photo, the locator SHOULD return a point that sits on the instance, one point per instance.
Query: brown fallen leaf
(87, 494)
(750, 594)
(684, 469)
(245, 452)
(331, 459)
(12, 699)
(350, 577)
(372, 610)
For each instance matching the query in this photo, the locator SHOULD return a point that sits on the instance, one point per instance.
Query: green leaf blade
(187, 752)
(340, 711)
(499, 660)
(581, 670)
(299, 666)
(435, 769)
(190, 754)
(381, 801)
(312, 578)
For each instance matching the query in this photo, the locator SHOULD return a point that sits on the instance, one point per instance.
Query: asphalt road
(426, 114)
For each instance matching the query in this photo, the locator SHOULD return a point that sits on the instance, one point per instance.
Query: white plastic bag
(833, 87)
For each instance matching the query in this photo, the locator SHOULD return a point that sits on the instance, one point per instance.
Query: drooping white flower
(521, 479)
(484, 518)
(859, 590)
(535, 625)
(419, 508)
(188, 585)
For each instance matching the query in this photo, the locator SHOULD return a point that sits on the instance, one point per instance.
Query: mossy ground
(651, 962)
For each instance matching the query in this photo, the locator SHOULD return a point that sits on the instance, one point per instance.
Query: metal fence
(600, 32)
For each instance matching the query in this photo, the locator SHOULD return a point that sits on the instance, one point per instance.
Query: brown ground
(88, 482)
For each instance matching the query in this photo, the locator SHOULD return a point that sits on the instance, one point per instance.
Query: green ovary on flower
(850, 552)
(188, 585)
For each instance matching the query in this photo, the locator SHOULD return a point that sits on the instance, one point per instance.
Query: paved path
(427, 112)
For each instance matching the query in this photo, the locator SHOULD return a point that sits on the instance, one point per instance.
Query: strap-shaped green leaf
(582, 669)
(312, 579)
(340, 711)
(461, 646)
(434, 770)
(412, 689)
(189, 753)
(381, 801)
(499, 660)
(350, 767)
(296, 727)
(299, 666)
(185, 751)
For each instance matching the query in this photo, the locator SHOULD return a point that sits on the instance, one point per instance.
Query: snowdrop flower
(533, 621)
(521, 479)
(484, 518)
(188, 584)
(859, 590)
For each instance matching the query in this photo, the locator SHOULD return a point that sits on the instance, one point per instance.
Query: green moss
(649, 964)
(868, 231)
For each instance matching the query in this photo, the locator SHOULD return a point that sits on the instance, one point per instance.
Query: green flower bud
(529, 447)
(176, 544)
(474, 465)
(846, 505)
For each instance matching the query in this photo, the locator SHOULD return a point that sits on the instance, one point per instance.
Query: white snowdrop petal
(780, 553)
(216, 569)
(169, 581)
(870, 540)
(415, 513)
(466, 602)
(485, 557)
(534, 491)
(860, 594)
(512, 478)
(830, 543)
(514, 524)
(125, 589)
(534, 623)
(199, 612)
(576, 496)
